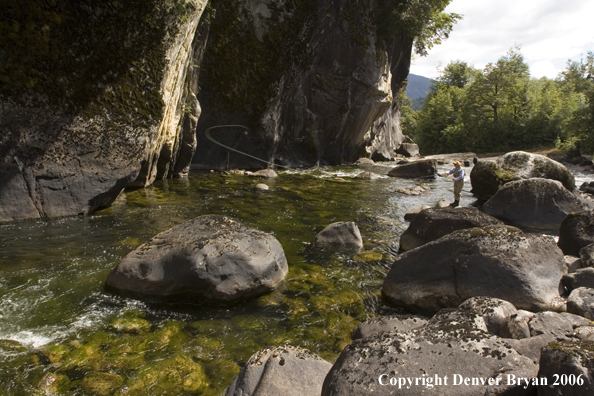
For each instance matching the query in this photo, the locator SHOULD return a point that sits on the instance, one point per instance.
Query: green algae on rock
(101, 104)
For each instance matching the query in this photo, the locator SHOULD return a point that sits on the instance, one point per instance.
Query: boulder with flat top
(431, 224)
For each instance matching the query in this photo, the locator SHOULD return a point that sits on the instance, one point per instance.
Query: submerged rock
(367, 175)
(431, 224)
(267, 173)
(493, 261)
(416, 190)
(536, 203)
(285, 370)
(212, 258)
(365, 161)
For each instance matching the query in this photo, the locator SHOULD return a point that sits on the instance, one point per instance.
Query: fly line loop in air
(209, 137)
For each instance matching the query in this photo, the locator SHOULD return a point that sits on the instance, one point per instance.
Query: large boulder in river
(488, 176)
(493, 261)
(107, 101)
(538, 204)
(432, 224)
(576, 231)
(416, 170)
(455, 344)
(284, 370)
(213, 258)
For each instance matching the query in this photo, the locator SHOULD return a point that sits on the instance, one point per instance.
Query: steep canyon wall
(311, 80)
(95, 96)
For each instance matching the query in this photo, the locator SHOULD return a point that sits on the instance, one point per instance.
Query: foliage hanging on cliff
(422, 20)
(73, 51)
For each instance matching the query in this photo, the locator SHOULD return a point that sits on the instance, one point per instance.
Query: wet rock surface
(415, 170)
(213, 258)
(103, 114)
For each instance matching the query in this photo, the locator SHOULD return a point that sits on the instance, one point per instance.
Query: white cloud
(549, 33)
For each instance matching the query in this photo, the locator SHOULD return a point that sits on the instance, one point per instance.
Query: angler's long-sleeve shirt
(457, 173)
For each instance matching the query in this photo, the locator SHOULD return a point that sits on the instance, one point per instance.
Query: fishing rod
(209, 137)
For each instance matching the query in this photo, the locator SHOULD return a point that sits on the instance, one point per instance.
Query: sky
(548, 32)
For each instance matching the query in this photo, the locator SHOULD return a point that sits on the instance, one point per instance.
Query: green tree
(457, 74)
(436, 121)
(422, 20)
(578, 77)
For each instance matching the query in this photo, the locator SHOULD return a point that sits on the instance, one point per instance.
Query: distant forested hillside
(416, 90)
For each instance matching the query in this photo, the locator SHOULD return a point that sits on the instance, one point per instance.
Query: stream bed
(62, 333)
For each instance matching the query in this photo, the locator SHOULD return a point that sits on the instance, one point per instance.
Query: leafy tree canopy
(422, 20)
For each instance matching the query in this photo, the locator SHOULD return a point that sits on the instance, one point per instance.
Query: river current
(52, 275)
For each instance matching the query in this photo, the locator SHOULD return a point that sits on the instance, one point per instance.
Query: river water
(59, 326)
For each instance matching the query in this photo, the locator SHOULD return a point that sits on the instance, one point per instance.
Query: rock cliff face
(311, 80)
(101, 97)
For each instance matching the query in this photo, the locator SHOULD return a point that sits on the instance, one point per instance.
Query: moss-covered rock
(101, 383)
(173, 376)
(488, 176)
(99, 106)
(563, 363)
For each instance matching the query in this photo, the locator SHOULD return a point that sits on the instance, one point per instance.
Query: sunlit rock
(213, 258)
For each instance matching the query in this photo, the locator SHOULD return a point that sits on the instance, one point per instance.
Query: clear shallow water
(52, 274)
